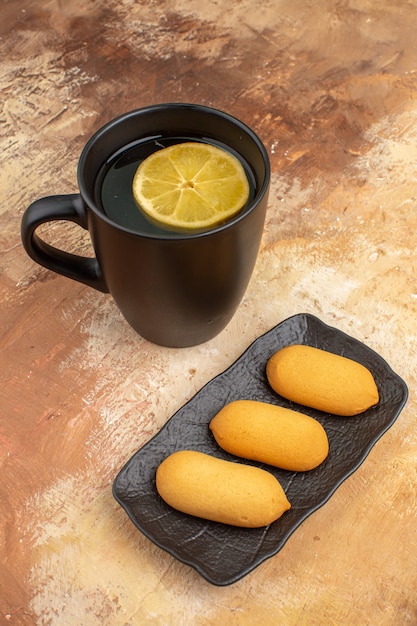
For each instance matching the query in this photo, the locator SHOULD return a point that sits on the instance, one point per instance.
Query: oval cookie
(322, 380)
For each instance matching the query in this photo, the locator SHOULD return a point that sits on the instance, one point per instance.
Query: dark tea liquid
(113, 189)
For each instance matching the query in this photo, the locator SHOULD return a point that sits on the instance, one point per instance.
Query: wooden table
(332, 90)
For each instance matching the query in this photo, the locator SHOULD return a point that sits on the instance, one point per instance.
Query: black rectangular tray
(223, 554)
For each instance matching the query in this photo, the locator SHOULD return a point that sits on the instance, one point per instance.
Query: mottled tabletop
(331, 89)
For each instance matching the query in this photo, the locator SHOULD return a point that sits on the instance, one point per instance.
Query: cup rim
(90, 201)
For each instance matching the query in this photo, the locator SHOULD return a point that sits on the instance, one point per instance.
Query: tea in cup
(176, 288)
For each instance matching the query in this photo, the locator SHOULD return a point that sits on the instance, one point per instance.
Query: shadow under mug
(174, 291)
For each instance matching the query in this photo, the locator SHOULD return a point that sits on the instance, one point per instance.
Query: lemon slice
(190, 185)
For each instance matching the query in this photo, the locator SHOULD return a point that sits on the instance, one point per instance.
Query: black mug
(175, 290)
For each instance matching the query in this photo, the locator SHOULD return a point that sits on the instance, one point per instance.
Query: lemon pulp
(190, 185)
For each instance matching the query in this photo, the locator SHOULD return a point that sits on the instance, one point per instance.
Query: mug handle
(57, 208)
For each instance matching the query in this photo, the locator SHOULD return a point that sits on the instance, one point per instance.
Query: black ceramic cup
(175, 291)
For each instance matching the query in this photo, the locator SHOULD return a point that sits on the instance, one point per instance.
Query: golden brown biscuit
(322, 380)
(221, 491)
(270, 434)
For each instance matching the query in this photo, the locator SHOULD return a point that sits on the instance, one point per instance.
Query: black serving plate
(223, 554)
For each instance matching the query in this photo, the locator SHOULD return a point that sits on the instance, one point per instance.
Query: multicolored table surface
(332, 91)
